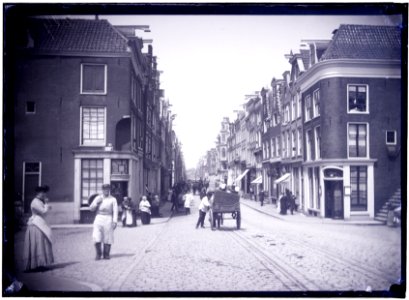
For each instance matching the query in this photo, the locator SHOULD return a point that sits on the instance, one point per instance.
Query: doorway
(334, 199)
(119, 189)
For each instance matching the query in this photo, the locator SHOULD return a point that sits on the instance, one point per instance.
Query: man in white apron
(105, 222)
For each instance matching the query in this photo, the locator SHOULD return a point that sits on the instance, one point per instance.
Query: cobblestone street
(267, 254)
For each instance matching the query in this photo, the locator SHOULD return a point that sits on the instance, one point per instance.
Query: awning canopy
(241, 176)
(283, 178)
(258, 180)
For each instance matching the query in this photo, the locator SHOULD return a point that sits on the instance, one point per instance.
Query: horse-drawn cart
(224, 202)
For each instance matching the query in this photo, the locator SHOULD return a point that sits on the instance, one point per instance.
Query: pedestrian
(127, 216)
(188, 202)
(203, 208)
(261, 196)
(155, 206)
(105, 222)
(38, 245)
(291, 200)
(145, 209)
(283, 205)
(174, 201)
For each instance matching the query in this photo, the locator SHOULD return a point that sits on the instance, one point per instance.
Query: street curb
(318, 221)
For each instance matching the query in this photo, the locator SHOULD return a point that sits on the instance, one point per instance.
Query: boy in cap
(105, 222)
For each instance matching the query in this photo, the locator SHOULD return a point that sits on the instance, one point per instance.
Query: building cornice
(360, 68)
(339, 161)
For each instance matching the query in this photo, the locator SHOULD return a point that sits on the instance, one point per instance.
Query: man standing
(105, 222)
(261, 196)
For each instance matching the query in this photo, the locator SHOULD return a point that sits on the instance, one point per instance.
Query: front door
(334, 199)
(119, 189)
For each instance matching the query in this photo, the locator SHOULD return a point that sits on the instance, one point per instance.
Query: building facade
(80, 114)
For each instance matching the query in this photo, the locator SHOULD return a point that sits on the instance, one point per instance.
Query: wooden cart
(224, 202)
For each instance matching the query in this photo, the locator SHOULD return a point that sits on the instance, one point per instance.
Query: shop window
(359, 188)
(357, 98)
(93, 79)
(119, 167)
(92, 172)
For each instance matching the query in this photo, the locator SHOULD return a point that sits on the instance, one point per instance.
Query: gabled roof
(365, 42)
(76, 35)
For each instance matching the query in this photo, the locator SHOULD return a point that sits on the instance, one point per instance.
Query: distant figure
(38, 248)
(174, 200)
(291, 202)
(188, 201)
(203, 208)
(145, 209)
(155, 206)
(261, 196)
(283, 205)
(127, 213)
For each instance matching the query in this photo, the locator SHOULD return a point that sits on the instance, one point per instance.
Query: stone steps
(395, 201)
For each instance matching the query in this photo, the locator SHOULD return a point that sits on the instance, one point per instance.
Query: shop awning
(241, 176)
(283, 178)
(258, 180)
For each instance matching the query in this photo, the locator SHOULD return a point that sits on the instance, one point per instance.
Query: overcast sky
(210, 63)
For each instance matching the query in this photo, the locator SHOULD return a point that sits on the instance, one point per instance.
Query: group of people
(38, 244)
(287, 202)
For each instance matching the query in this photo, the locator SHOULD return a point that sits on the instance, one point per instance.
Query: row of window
(292, 144)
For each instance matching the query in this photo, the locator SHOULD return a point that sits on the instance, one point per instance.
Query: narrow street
(266, 254)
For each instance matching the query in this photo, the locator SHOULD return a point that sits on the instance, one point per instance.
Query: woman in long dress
(127, 213)
(38, 249)
(145, 208)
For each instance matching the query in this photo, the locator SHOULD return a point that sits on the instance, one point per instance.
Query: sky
(210, 63)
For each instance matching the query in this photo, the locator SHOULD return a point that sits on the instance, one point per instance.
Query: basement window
(30, 107)
(391, 137)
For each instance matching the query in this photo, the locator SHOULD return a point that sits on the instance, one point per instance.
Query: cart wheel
(238, 221)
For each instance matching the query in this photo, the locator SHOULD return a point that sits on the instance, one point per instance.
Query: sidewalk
(43, 282)
(271, 210)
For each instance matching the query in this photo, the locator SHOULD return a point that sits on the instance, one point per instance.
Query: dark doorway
(334, 199)
(119, 189)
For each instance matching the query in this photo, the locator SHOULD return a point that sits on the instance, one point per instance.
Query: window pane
(93, 78)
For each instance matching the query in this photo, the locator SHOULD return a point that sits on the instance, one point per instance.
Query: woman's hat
(42, 188)
(106, 186)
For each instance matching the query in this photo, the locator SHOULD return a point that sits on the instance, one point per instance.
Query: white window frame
(367, 140)
(102, 143)
(314, 102)
(299, 139)
(293, 143)
(367, 99)
(105, 79)
(308, 145)
(395, 137)
(298, 105)
(306, 113)
(317, 143)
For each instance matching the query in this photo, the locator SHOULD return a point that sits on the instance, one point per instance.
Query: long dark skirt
(145, 218)
(38, 250)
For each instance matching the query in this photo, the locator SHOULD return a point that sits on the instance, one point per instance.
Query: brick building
(351, 103)
(81, 92)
